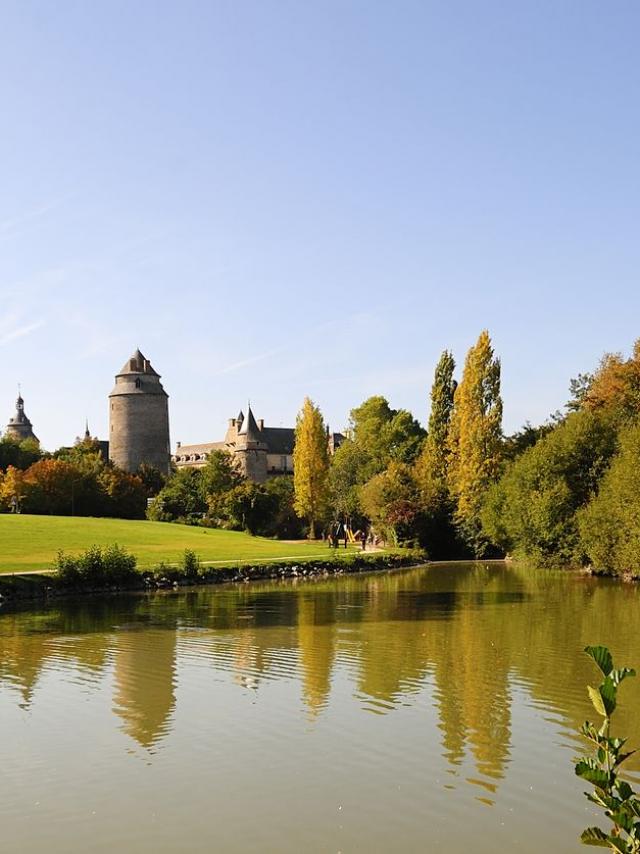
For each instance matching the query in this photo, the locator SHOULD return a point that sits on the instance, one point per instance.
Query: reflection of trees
(316, 643)
(468, 633)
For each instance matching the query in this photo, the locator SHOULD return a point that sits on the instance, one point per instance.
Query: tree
(610, 524)
(531, 511)
(180, 498)
(310, 466)
(126, 494)
(615, 386)
(12, 489)
(18, 453)
(433, 463)
(152, 478)
(53, 486)
(219, 475)
(345, 479)
(384, 434)
(391, 500)
(475, 437)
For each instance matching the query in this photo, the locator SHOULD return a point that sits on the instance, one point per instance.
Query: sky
(279, 199)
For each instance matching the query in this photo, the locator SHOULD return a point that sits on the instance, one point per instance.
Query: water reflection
(458, 638)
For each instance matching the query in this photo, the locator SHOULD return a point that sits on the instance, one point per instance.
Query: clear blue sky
(274, 199)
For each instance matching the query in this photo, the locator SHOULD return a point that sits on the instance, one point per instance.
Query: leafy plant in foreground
(614, 795)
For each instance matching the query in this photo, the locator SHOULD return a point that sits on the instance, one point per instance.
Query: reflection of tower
(145, 682)
(19, 426)
(316, 640)
(139, 417)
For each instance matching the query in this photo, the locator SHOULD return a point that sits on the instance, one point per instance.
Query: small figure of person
(363, 537)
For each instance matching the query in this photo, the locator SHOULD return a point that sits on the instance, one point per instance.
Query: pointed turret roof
(138, 364)
(240, 417)
(249, 427)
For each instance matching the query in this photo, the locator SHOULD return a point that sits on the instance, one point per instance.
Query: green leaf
(602, 657)
(596, 699)
(608, 693)
(590, 772)
(594, 836)
(618, 844)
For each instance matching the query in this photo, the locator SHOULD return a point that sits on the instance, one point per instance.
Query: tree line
(565, 492)
(71, 481)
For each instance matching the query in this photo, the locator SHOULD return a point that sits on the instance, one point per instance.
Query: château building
(139, 431)
(260, 452)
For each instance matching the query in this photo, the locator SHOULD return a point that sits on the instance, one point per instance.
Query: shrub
(112, 566)
(615, 796)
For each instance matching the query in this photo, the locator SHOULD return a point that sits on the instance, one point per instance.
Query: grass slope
(31, 542)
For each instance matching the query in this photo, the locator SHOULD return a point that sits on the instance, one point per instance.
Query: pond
(429, 709)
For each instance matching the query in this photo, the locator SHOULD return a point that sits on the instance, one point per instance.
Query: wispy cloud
(252, 360)
(12, 334)
(9, 227)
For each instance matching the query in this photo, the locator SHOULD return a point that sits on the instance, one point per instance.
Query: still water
(426, 710)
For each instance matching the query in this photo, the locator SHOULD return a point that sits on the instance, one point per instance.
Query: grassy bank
(30, 543)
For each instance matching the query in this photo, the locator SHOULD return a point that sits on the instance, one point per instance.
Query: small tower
(19, 426)
(139, 418)
(251, 450)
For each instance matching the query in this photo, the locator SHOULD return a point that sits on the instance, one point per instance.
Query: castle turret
(251, 450)
(139, 417)
(19, 426)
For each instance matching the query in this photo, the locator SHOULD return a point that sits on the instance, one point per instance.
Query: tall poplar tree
(433, 463)
(310, 465)
(475, 437)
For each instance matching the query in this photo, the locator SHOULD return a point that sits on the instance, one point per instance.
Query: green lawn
(31, 542)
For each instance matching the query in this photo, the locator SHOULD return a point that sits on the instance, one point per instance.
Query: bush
(190, 564)
(111, 566)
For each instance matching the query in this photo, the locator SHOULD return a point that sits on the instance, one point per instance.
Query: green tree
(18, 453)
(432, 466)
(531, 511)
(180, 499)
(311, 466)
(391, 500)
(610, 524)
(475, 438)
(384, 435)
(345, 479)
(219, 475)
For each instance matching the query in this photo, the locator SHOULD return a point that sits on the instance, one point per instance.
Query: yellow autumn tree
(12, 488)
(475, 437)
(310, 466)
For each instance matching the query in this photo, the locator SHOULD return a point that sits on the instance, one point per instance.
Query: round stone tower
(251, 450)
(139, 418)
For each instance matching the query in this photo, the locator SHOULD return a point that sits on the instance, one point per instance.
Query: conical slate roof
(138, 364)
(249, 427)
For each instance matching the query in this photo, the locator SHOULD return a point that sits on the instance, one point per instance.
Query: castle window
(138, 383)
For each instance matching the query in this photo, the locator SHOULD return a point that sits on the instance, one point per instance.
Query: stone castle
(139, 431)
